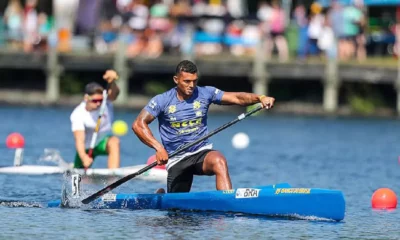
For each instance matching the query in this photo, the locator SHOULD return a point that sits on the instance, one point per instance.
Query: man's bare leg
(215, 163)
(113, 152)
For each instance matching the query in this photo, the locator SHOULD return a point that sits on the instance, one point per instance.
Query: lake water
(354, 155)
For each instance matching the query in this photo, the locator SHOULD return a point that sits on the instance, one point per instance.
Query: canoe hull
(274, 200)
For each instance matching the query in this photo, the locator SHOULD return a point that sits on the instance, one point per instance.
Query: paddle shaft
(148, 167)
(101, 112)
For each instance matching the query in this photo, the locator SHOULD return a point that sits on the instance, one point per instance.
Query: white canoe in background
(154, 174)
(54, 156)
(31, 170)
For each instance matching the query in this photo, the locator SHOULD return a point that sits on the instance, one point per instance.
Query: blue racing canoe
(274, 200)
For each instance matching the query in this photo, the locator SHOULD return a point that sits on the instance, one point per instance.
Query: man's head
(186, 77)
(93, 96)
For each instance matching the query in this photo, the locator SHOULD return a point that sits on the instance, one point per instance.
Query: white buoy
(240, 140)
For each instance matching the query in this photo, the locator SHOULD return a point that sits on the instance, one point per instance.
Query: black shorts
(180, 176)
(277, 34)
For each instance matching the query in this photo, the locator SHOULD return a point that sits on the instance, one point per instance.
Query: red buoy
(153, 159)
(384, 198)
(15, 140)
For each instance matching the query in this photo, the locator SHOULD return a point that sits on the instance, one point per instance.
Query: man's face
(93, 102)
(186, 82)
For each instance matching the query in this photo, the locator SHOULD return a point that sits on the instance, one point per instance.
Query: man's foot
(160, 190)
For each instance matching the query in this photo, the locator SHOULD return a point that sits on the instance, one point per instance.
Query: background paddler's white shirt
(83, 120)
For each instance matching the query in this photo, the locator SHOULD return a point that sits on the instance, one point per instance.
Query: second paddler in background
(84, 119)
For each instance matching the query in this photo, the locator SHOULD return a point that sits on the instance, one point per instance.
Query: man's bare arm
(113, 91)
(245, 99)
(79, 137)
(240, 98)
(141, 128)
(111, 76)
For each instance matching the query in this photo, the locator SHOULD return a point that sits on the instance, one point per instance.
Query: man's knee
(218, 161)
(113, 142)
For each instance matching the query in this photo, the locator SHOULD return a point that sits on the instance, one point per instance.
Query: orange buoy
(384, 198)
(15, 140)
(153, 159)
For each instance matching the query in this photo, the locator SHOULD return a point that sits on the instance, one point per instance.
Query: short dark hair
(186, 66)
(93, 88)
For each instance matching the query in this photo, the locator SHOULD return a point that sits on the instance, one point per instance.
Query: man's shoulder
(208, 90)
(159, 101)
(168, 93)
(78, 110)
(165, 96)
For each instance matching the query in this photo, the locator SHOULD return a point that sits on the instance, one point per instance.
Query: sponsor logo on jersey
(152, 104)
(189, 123)
(172, 109)
(196, 105)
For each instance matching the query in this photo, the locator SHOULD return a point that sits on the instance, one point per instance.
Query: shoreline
(17, 98)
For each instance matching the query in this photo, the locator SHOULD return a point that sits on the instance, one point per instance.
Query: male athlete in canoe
(182, 116)
(84, 119)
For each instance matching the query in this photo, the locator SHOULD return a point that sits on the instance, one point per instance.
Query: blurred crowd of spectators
(338, 31)
(23, 27)
(150, 28)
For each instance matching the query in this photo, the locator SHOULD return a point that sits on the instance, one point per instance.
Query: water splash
(70, 199)
(51, 155)
(15, 204)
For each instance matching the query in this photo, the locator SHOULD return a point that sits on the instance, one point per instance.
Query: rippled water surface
(356, 156)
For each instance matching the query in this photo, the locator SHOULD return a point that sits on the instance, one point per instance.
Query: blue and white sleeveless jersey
(183, 122)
